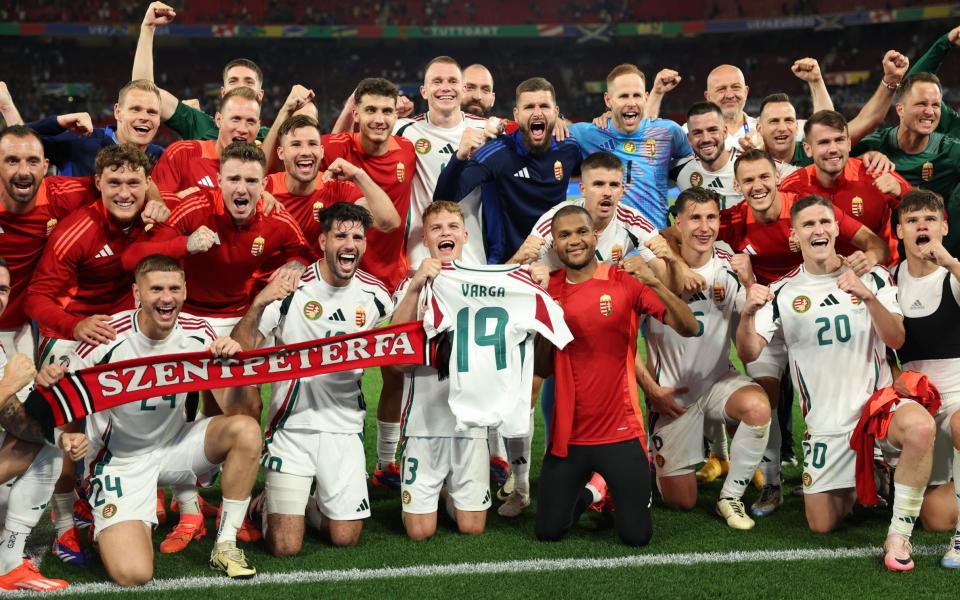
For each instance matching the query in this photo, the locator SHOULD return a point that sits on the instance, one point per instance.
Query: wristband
(891, 87)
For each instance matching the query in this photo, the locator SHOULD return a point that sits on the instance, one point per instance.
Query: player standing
(712, 164)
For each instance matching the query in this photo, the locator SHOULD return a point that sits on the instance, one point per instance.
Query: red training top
(186, 164)
(221, 281)
(596, 388)
(386, 256)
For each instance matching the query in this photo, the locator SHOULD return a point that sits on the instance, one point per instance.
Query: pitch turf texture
(692, 555)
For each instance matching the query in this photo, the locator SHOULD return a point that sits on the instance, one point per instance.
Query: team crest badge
(422, 146)
(616, 253)
(401, 172)
(317, 207)
(807, 480)
(312, 310)
(558, 170)
(854, 300)
(659, 460)
(801, 304)
(50, 225)
(405, 497)
(719, 292)
(696, 179)
(360, 317)
(257, 248)
(629, 147)
(926, 171)
(606, 305)
(109, 510)
(651, 145)
(856, 206)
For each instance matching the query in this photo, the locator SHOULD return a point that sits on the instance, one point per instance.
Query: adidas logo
(715, 184)
(917, 305)
(364, 505)
(519, 461)
(206, 181)
(697, 297)
(486, 497)
(448, 149)
(830, 301)
(104, 252)
(522, 173)
(337, 316)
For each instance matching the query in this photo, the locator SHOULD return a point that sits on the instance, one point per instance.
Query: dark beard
(547, 140)
(475, 109)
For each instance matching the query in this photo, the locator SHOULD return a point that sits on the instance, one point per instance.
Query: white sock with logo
(770, 462)
(388, 436)
(746, 450)
(231, 519)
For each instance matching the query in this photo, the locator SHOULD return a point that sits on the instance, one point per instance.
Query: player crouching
(437, 460)
(316, 423)
(695, 379)
(133, 443)
(836, 327)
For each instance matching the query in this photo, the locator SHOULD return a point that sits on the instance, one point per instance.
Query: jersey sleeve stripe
(72, 235)
(368, 278)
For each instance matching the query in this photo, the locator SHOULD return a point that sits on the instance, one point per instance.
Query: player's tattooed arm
(18, 373)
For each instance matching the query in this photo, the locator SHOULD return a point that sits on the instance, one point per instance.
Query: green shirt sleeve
(874, 141)
(192, 124)
(800, 158)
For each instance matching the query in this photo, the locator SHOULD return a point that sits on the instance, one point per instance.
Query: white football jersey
(332, 402)
(836, 359)
(694, 174)
(426, 410)
(139, 427)
(435, 146)
(699, 362)
(626, 232)
(785, 168)
(491, 311)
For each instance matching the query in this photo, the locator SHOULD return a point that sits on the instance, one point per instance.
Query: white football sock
(716, 432)
(188, 499)
(388, 436)
(746, 450)
(518, 453)
(11, 549)
(495, 443)
(907, 501)
(28, 497)
(770, 463)
(956, 483)
(231, 519)
(5, 499)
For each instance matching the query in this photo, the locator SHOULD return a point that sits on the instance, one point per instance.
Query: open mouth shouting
(306, 166)
(922, 239)
(538, 130)
(630, 117)
(447, 249)
(347, 261)
(142, 129)
(165, 313)
(820, 243)
(23, 187)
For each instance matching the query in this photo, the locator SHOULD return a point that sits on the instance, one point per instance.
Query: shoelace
(737, 507)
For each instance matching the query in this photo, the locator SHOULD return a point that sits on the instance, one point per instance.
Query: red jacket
(875, 421)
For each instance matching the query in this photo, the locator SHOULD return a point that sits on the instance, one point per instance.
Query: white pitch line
(486, 568)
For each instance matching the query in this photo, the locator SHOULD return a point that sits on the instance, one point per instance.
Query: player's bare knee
(680, 503)
(132, 575)
(919, 430)
(245, 432)
(345, 536)
(471, 526)
(419, 532)
(282, 545)
(938, 521)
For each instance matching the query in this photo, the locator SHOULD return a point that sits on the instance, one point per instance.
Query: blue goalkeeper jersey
(517, 187)
(647, 154)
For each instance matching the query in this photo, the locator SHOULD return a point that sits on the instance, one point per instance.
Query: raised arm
(158, 14)
(298, 97)
(875, 110)
(8, 110)
(808, 69)
(666, 80)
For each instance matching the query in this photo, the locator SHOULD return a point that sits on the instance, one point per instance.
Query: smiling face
(919, 108)
(343, 248)
(815, 231)
(699, 225)
(239, 121)
(161, 295)
(442, 87)
(828, 147)
(536, 113)
(123, 191)
(444, 235)
(706, 134)
(574, 240)
(301, 153)
(727, 89)
(778, 127)
(241, 183)
(757, 181)
(626, 97)
(22, 167)
(602, 190)
(138, 117)
(918, 228)
(376, 116)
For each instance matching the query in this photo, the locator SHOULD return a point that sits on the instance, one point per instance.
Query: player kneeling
(437, 460)
(836, 327)
(133, 443)
(695, 379)
(316, 423)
